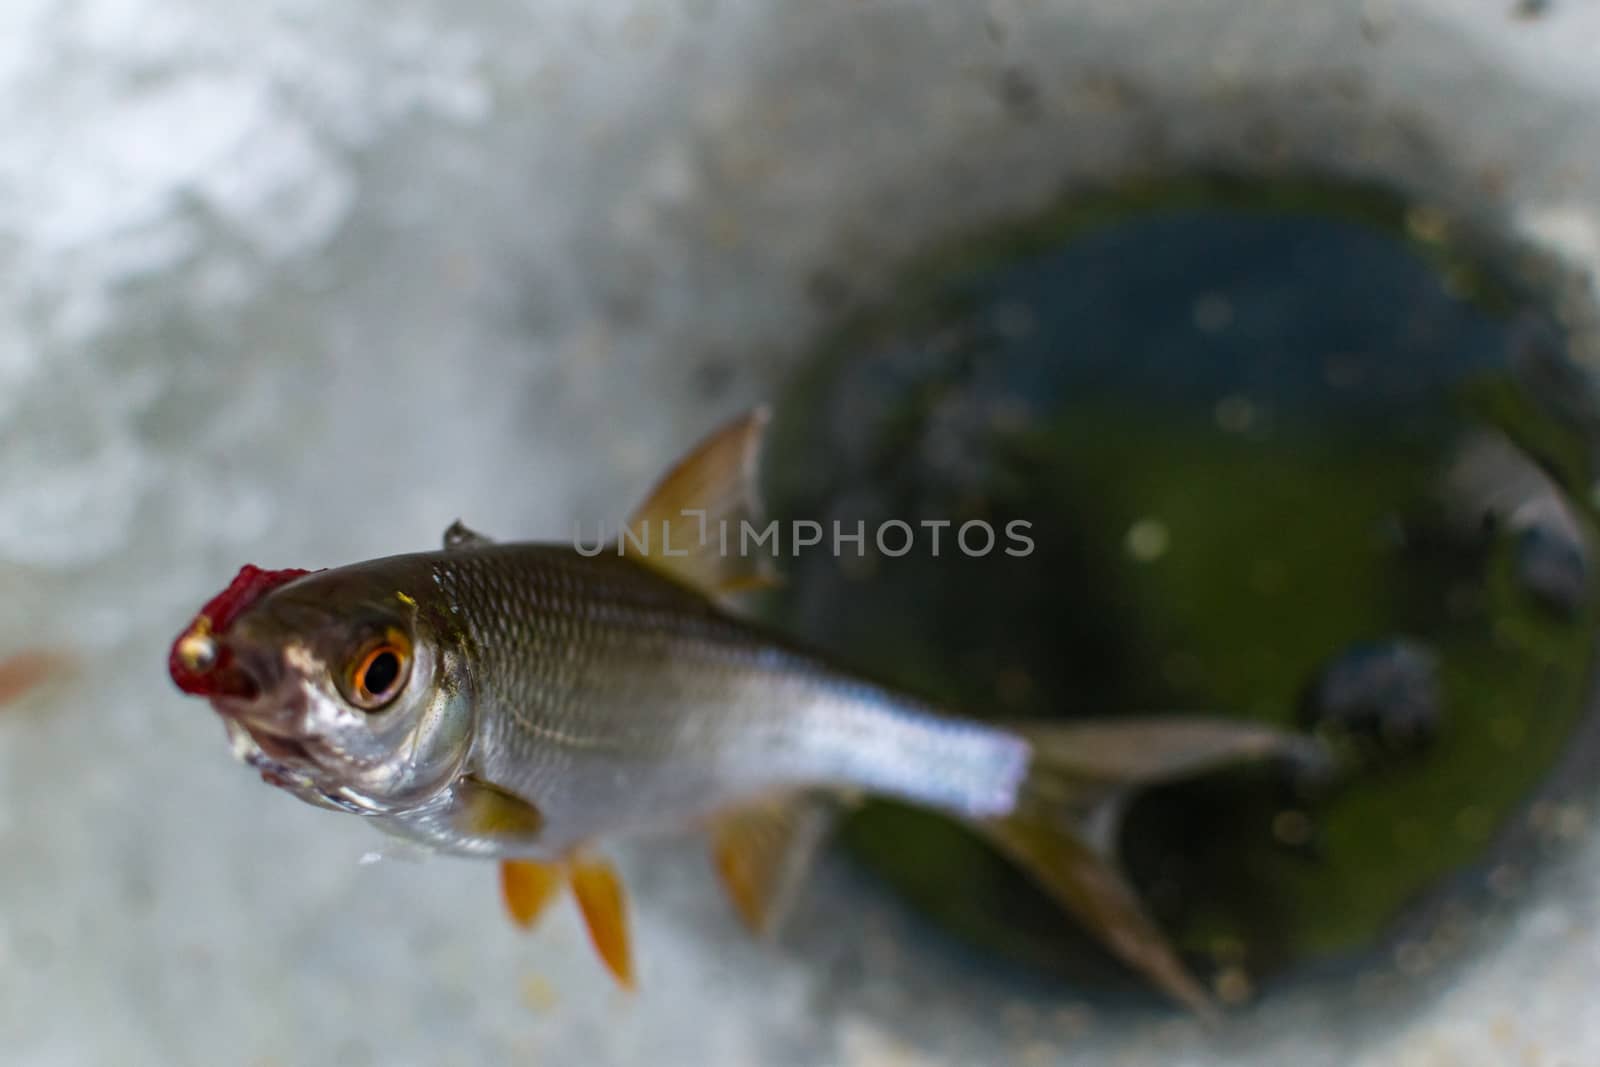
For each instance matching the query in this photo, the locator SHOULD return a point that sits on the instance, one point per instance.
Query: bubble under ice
(298, 283)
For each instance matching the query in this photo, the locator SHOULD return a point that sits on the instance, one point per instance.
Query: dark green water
(1294, 454)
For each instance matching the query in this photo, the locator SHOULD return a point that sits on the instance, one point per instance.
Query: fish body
(613, 698)
(522, 702)
(609, 698)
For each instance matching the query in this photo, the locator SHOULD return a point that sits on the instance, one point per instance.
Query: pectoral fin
(691, 525)
(762, 853)
(605, 913)
(485, 810)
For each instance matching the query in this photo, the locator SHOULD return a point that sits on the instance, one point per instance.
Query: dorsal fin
(692, 525)
(460, 535)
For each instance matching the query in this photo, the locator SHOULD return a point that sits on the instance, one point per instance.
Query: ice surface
(295, 283)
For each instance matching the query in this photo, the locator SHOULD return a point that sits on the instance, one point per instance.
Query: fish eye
(379, 671)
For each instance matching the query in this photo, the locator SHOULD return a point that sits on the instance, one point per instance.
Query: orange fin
(528, 888)
(691, 526)
(763, 851)
(605, 913)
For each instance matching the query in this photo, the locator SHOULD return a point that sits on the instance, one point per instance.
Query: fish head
(334, 685)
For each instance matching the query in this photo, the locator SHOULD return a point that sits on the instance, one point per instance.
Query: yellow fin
(1093, 890)
(1069, 813)
(762, 851)
(605, 913)
(691, 525)
(486, 810)
(528, 887)
(1133, 752)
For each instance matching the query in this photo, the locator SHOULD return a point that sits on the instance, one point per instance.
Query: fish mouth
(265, 751)
(287, 763)
(280, 748)
(262, 710)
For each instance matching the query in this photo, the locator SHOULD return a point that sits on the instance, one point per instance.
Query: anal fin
(763, 851)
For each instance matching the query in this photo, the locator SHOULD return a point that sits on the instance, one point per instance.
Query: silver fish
(521, 702)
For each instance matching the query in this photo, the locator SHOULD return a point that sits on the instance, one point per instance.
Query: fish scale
(718, 708)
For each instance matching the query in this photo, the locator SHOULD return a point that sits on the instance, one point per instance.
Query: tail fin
(1063, 832)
